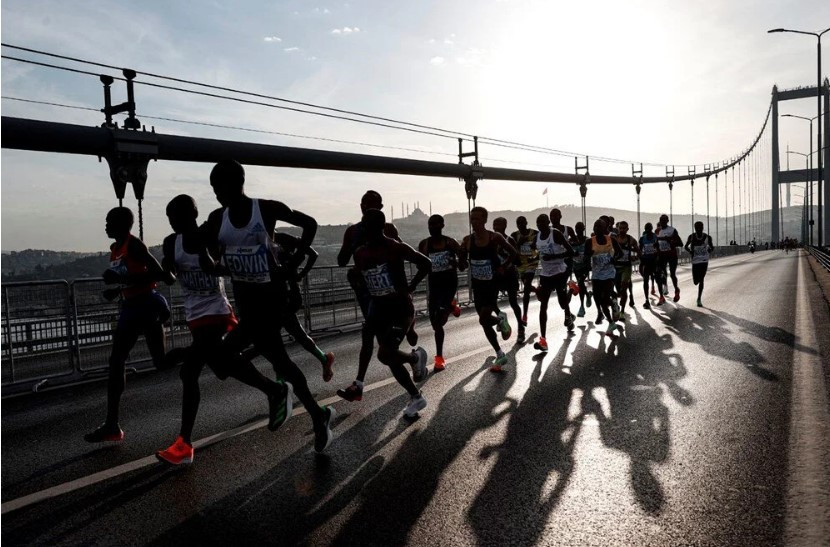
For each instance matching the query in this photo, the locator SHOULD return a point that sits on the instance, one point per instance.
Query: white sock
(359, 383)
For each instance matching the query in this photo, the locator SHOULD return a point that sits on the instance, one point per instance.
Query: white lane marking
(129, 467)
(808, 465)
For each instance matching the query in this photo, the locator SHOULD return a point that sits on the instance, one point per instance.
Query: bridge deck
(692, 428)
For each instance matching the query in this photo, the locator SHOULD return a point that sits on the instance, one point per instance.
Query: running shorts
(509, 282)
(142, 311)
(485, 294)
(699, 271)
(442, 289)
(390, 318)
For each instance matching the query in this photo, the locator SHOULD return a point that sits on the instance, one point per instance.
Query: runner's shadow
(764, 332)
(395, 499)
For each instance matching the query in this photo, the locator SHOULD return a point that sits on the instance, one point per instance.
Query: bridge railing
(62, 331)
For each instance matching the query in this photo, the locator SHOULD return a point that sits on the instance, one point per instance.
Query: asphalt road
(704, 426)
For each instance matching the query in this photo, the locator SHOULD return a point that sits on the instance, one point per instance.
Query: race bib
(665, 246)
(198, 283)
(248, 264)
(378, 281)
(648, 249)
(526, 249)
(578, 259)
(440, 261)
(600, 261)
(626, 256)
(481, 270)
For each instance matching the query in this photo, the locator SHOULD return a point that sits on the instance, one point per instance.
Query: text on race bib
(526, 249)
(664, 245)
(378, 280)
(198, 283)
(440, 261)
(481, 270)
(248, 264)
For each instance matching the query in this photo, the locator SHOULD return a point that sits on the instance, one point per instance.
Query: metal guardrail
(63, 330)
(822, 256)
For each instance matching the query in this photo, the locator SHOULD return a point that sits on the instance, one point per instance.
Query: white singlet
(247, 249)
(548, 246)
(204, 294)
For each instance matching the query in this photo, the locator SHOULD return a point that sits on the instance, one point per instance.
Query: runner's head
(649, 228)
(373, 222)
(600, 227)
(371, 200)
(609, 221)
(119, 222)
(182, 213)
(579, 228)
(699, 227)
(543, 222)
(623, 227)
(664, 221)
(500, 225)
(555, 216)
(227, 179)
(435, 225)
(521, 223)
(478, 218)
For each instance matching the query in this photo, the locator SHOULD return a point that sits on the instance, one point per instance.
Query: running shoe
(456, 309)
(322, 433)
(609, 331)
(631, 300)
(599, 320)
(524, 320)
(415, 404)
(661, 301)
(574, 288)
(499, 364)
(504, 326)
(653, 292)
(569, 321)
(646, 305)
(521, 336)
(621, 319)
(541, 345)
(105, 434)
(177, 453)
(328, 373)
(280, 407)
(666, 290)
(699, 303)
(581, 312)
(419, 369)
(590, 295)
(352, 393)
(440, 364)
(677, 295)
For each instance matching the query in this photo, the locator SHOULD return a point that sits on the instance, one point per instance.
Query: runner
(508, 278)
(582, 268)
(630, 250)
(699, 245)
(525, 239)
(553, 249)
(442, 282)
(668, 241)
(288, 246)
(482, 247)
(381, 263)
(209, 317)
(648, 260)
(603, 250)
(570, 236)
(243, 229)
(142, 311)
(353, 238)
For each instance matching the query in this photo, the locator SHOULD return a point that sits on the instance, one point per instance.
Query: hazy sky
(683, 82)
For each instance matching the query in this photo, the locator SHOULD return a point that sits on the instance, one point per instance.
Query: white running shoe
(419, 369)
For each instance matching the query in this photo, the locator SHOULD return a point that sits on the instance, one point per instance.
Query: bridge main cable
(45, 136)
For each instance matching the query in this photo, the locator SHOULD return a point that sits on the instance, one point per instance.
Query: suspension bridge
(698, 425)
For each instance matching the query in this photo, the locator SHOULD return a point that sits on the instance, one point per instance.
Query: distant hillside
(39, 265)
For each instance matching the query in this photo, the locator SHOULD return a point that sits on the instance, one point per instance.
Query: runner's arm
(279, 211)
(462, 253)
(168, 249)
(688, 245)
(461, 257)
(312, 259)
(617, 249)
(421, 261)
(346, 251)
(569, 251)
(510, 249)
(711, 247)
(589, 251)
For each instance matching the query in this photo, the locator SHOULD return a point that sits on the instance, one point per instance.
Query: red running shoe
(456, 309)
(105, 434)
(574, 287)
(677, 295)
(439, 364)
(352, 393)
(328, 373)
(177, 453)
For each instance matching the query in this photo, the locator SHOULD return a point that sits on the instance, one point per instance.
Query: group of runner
(239, 240)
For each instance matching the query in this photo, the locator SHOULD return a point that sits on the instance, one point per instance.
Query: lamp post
(808, 204)
(820, 176)
(811, 199)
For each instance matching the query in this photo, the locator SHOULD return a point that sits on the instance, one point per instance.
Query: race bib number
(648, 249)
(600, 261)
(579, 259)
(665, 246)
(198, 283)
(626, 256)
(440, 261)
(378, 281)
(481, 270)
(526, 249)
(248, 264)
(701, 251)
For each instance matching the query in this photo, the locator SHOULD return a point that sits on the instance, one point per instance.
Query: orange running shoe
(456, 309)
(177, 453)
(541, 345)
(439, 364)
(574, 287)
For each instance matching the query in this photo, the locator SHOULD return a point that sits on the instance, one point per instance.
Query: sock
(359, 383)
(318, 353)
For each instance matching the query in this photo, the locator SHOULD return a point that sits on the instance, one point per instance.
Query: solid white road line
(808, 465)
(147, 461)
